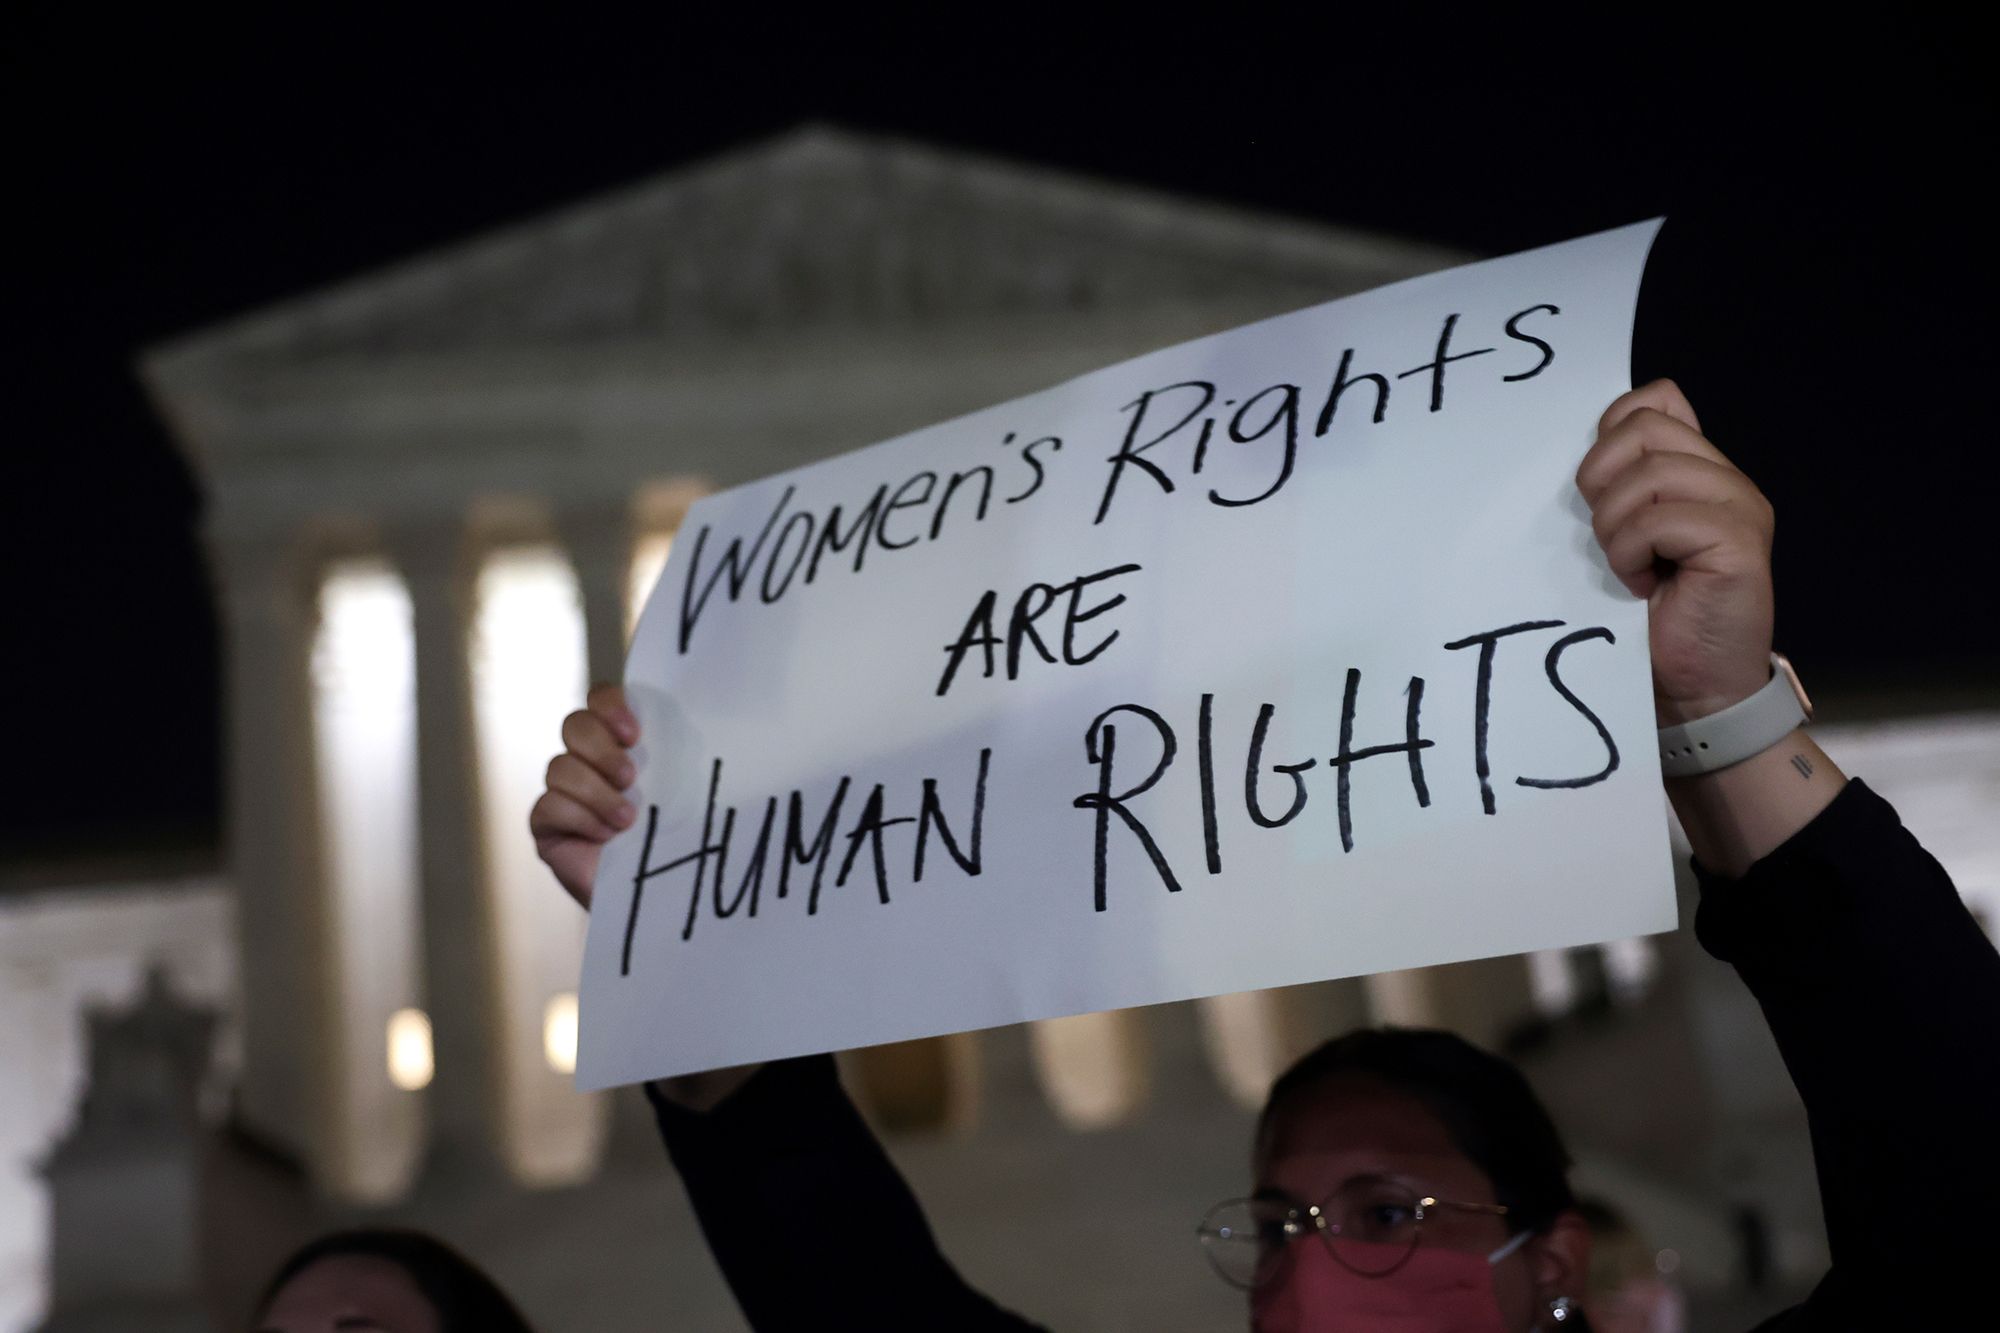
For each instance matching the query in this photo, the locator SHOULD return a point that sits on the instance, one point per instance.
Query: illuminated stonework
(528, 668)
(365, 742)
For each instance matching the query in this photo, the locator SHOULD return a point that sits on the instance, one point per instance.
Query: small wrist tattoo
(1803, 764)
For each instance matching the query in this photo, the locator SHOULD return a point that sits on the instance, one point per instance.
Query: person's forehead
(351, 1286)
(1323, 1135)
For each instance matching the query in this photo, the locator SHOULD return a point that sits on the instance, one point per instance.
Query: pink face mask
(1434, 1291)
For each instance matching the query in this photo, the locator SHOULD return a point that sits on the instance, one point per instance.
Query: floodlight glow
(528, 670)
(559, 1033)
(1552, 982)
(1092, 1066)
(365, 755)
(411, 1062)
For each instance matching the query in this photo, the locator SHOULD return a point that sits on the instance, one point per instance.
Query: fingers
(1642, 431)
(588, 735)
(1671, 477)
(1660, 492)
(1686, 533)
(607, 701)
(558, 815)
(584, 806)
(1662, 396)
(569, 775)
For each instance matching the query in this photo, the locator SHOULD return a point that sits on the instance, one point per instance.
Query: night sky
(1822, 289)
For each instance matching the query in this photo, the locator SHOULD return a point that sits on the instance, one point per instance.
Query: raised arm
(807, 1217)
(1881, 991)
(1683, 528)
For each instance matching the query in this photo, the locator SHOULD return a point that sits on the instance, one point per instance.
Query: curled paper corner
(668, 755)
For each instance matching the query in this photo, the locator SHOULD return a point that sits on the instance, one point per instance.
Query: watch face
(1784, 665)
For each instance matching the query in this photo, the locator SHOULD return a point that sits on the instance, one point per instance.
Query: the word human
(803, 838)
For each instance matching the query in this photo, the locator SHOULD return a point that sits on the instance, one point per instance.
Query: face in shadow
(350, 1293)
(1347, 1131)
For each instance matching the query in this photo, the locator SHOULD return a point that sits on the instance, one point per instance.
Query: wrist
(1759, 720)
(1736, 816)
(705, 1091)
(1671, 712)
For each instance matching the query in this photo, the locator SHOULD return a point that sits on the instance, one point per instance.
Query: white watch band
(1739, 731)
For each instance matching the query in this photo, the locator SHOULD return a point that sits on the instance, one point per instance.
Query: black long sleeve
(1884, 998)
(808, 1219)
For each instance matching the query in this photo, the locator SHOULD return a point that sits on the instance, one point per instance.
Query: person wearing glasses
(1405, 1180)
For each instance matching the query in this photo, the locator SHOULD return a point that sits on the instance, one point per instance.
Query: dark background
(1821, 290)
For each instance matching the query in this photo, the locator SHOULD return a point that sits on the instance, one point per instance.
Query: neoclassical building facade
(516, 424)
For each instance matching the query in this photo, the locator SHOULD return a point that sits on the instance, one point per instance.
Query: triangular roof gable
(816, 227)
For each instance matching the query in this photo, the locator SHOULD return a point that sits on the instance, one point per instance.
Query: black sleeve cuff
(1843, 840)
(773, 1106)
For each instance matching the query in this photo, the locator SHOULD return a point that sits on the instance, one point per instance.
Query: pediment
(817, 228)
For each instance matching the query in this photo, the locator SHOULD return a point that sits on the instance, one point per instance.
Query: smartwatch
(1739, 731)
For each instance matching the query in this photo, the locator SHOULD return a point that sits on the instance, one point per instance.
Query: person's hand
(1683, 528)
(1692, 535)
(585, 806)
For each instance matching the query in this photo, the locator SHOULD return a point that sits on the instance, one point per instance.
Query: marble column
(1095, 1069)
(1485, 999)
(1252, 1037)
(270, 835)
(460, 987)
(599, 539)
(1481, 1000)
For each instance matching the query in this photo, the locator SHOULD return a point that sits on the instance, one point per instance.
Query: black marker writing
(795, 544)
(1482, 697)
(1184, 414)
(1130, 452)
(1205, 756)
(753, 872)
(930, 815)
(1118, 794)
(1286, 415)
(903, 500)
(1556, 651)
(1251, 770)
(801, 847)
(1514, 332)
(735, 567)
(1443, 358)
(1054, 444)
(815, 853)
(1413, 745)
(1034, 601)
(869, 828)
(1100, 746)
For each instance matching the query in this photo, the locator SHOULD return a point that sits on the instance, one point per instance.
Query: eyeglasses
(1369, 1225)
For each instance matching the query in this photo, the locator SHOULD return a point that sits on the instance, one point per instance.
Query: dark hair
(467, 1301)
(1487, 1107)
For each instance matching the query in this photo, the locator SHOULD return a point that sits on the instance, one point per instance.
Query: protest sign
(1280, 655)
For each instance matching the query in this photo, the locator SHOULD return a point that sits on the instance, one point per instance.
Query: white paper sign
(1281, 655)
